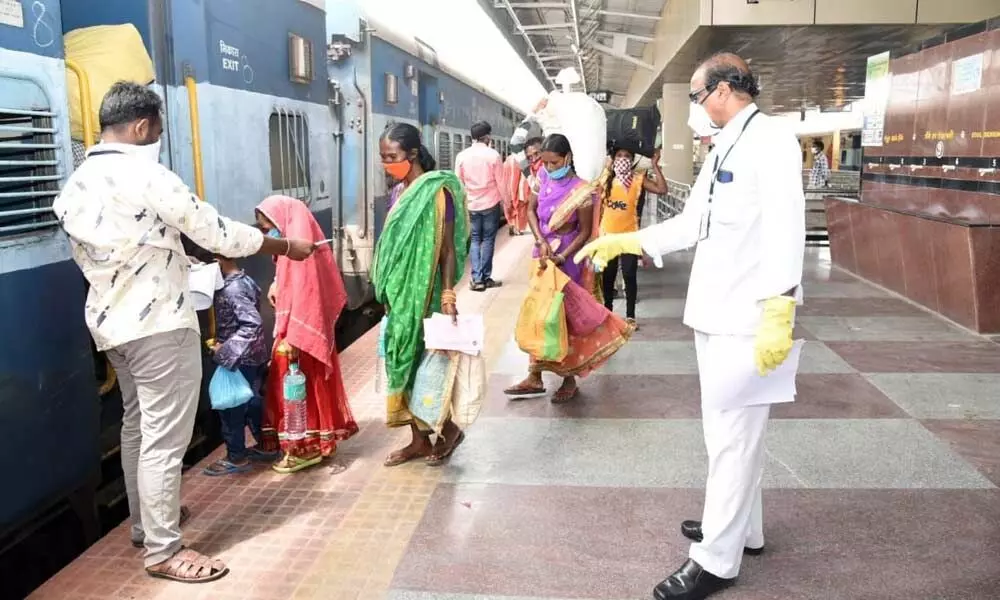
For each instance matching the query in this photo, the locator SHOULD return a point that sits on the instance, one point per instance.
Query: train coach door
(428, 107)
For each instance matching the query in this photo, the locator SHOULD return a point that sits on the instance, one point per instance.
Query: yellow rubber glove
(773, 342)
(607, 247)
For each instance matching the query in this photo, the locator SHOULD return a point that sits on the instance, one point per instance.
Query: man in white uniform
(746, 215)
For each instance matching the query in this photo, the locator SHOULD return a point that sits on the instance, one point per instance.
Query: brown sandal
(189, 566)
(436, 460)
(525, 388)
(185, 516)
(564, 395)
(405, 455)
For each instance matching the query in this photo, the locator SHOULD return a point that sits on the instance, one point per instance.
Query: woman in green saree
(421, 252)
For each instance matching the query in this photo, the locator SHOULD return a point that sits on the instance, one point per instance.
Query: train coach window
(300, 59)
(443, 150)
(289, 135)
(468, 141)
(29, 171)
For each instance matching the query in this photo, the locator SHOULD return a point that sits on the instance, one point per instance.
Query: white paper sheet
(730, 377)
(466, 337)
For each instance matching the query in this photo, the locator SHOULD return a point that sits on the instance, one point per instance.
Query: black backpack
(633, 129)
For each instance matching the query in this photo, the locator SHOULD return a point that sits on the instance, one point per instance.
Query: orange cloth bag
(541, 326)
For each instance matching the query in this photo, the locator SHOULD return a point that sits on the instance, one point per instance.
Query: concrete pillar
(835, 149)
(677, 156)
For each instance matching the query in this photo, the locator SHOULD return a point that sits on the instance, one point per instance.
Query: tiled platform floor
(881, 479)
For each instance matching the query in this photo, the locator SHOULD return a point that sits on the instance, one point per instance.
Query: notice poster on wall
(877, 83)
(11, 13)
(967, 74)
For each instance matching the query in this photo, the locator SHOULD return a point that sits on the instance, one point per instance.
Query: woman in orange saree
(564, 216)
(308, 298)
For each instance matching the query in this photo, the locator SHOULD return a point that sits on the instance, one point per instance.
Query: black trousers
(630, 269)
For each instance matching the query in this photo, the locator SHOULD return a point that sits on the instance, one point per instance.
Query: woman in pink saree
(563, 217)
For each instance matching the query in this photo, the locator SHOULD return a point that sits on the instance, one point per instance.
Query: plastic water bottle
(294, 385)
(380, 376)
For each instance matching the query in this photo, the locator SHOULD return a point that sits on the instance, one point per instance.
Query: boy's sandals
(189, 566)
(293, 464)
(185, 516)
(257, 455)
(224, 467)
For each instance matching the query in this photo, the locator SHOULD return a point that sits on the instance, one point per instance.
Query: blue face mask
(274, 232)
(559, 173)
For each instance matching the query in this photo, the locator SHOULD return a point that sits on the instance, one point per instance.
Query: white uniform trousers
(733, 515)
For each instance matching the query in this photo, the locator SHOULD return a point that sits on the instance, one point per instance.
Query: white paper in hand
(466, 337)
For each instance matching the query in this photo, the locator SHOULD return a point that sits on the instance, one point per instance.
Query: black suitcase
(633, 129)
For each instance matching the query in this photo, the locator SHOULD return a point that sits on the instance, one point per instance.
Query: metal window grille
(29, 171)
(289, 148)
(444, 150)
(456, 144)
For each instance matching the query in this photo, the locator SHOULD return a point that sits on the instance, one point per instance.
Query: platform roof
(604, 40)
(801, 67)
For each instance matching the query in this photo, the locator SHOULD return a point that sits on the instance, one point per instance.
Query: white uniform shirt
(124, 215)
(755, 242)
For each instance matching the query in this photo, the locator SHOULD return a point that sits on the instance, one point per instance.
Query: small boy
(239, 344)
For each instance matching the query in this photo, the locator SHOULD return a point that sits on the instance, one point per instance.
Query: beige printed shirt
(124, 215)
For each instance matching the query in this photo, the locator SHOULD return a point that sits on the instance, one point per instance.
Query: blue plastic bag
(228, 389)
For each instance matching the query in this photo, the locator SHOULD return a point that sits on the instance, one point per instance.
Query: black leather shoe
(690, 582)
(692, 531)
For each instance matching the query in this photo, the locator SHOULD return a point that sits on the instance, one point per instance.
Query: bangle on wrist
(288, 246)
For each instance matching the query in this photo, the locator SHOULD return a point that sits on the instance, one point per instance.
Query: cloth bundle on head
(582, 120)
(311, 293)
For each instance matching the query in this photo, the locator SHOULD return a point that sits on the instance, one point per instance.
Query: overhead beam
(559, 57)
(625, 15)
(629, 36)
(622, 56)
(533, 5)
(577, 47)
(546, 26)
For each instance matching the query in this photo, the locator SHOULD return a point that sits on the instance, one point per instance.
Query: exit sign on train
(602, 96)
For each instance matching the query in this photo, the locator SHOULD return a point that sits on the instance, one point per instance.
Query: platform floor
(881, 479)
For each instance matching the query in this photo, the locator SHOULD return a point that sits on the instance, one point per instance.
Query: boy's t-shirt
(238, 325)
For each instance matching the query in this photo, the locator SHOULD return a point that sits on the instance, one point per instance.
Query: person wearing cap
(746, 218)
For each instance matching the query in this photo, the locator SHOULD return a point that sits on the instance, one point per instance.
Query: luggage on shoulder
(633, 129)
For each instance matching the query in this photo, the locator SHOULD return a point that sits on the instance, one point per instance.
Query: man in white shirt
(124, 214)
(746, 215)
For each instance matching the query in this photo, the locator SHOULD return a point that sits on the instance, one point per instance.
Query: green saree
(407, 277)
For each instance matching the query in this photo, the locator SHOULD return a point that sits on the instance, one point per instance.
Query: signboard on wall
(877, 84)
(600, 96)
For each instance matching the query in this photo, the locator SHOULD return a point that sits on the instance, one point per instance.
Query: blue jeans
(484, 236)
(235, 420)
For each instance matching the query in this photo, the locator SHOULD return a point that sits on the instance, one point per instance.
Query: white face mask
(700, 122)
(150, 151)
(815, 150)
